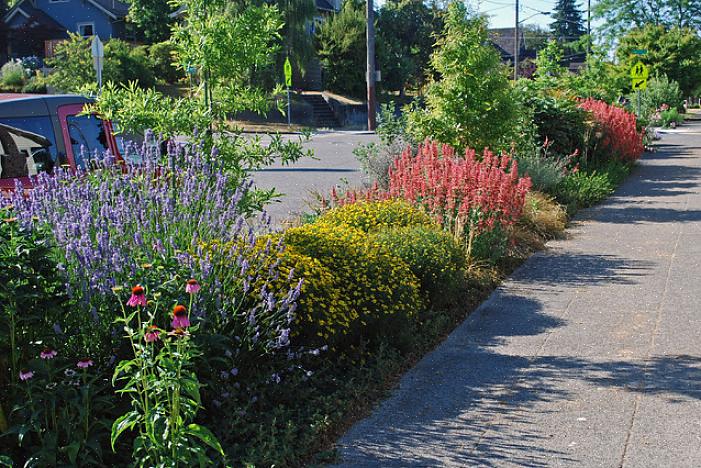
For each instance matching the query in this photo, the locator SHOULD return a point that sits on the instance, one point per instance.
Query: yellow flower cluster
(378, 288)
(433, 255)
(370, 216)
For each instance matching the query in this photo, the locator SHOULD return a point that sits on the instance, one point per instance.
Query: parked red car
(39, 132)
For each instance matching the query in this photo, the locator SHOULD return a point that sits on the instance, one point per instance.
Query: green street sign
(288, 72)
(640, 51)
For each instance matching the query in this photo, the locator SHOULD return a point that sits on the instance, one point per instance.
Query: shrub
(433, 255)
(162, 58)
(73, 69)
(36, 85)
(616, 135)
(545, 171)
(586, 188)
(543, 215)
(560, 122)
(660, 91)
(13, 75)
(376, 158)
(380, 288)
(125, 63)
(670, 117)
(321, 314)
(371, 216)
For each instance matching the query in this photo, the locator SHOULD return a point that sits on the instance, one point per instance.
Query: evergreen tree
(568, 25)
(340, 44)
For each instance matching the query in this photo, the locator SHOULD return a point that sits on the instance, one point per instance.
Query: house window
(86, 29)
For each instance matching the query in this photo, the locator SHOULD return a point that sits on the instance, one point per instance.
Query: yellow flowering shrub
(378, 287)
(433, 255)
(322, 315)
(370, 216)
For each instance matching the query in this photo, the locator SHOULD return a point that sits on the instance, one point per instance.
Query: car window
(88, 139)
(27, 147)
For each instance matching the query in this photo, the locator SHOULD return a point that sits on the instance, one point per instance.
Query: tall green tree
(151, 18)
(406, 31)
(471, 103)
(619, 16)
(340, 44)
(297, 43)
(568, 25)
(675, 52)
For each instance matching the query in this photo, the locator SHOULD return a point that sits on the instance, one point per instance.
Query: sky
(501, 12)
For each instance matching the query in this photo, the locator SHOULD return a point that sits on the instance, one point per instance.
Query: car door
(88, 139)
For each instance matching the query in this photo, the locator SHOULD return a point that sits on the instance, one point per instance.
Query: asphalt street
(335, 165)
(588, 356)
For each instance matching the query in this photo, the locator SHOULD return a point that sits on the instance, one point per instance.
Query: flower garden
(151, 315)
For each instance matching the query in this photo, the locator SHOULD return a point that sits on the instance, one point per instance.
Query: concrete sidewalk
(589, 355)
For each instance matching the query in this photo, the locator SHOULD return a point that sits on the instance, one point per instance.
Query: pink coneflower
(48, 353)
(180, 318)
(138, 298)
(192, 286)
(25, 374)
(85, 363)
(152, 334)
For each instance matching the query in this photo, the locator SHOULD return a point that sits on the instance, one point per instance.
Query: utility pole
(588, 28)
(370, 75)
(516, 45)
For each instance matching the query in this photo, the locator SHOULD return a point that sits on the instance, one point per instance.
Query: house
(35, 26)
(503, 39)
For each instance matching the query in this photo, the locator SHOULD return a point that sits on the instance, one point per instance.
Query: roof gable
(114, 9)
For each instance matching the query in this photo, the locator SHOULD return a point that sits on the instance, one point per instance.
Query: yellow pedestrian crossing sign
(639, 84)
(639, 71)
(288, 72)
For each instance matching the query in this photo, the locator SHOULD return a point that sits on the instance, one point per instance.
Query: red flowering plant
(471, 196)
(616, 135)
(161, 381)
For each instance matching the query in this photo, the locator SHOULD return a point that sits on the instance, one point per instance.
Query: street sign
(640, 51)
(98, 58)
(638, 84)
(639, 71)
(288, 72)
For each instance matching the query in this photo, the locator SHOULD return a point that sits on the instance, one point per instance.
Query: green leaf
(5, 461)
(205, 435)
(124, 422)
(72, 451)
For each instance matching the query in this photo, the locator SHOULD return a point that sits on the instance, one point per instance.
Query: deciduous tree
(675, 52)
(620, 15)
(471, 103)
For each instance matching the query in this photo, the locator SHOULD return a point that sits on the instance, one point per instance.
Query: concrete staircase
(323, 114)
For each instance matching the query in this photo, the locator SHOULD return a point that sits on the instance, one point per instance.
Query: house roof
(115, 9)
(325, 5)
(504, 40)
(36, 18)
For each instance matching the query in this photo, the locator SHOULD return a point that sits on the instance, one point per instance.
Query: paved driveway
(335, 164)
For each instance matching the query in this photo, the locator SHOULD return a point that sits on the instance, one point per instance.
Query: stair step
(323, 113)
